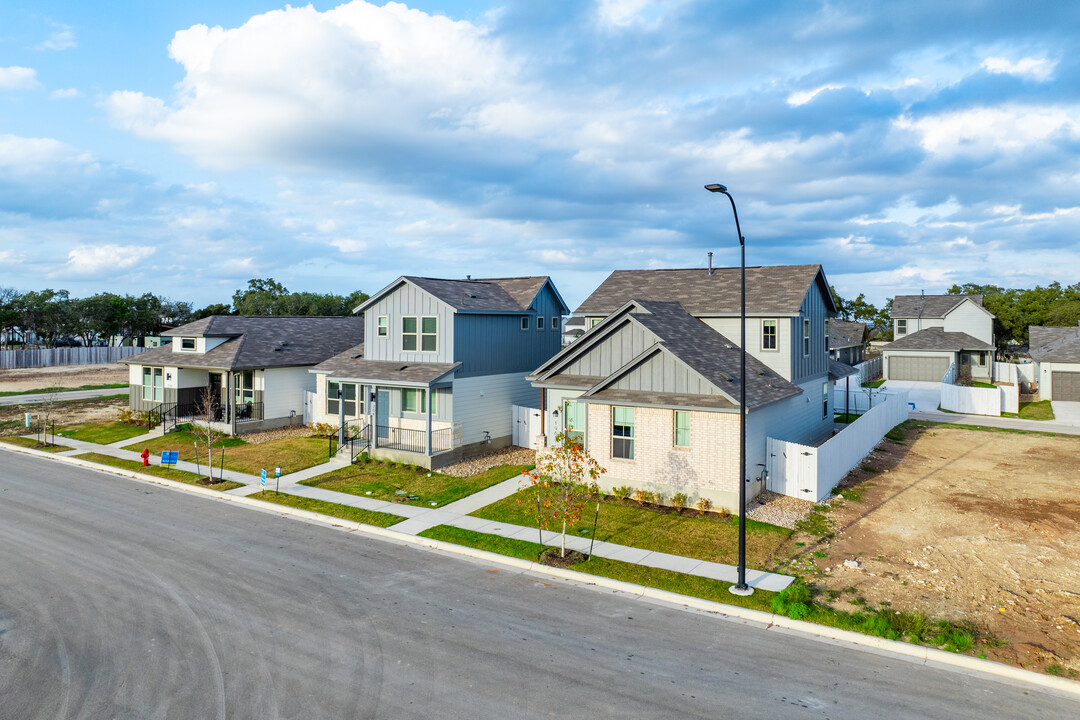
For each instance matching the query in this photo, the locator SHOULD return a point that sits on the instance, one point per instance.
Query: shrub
(703, 504)
(623, 492)
(679, 500)
(325, 430)
(963, 375)
(723, 513)
(794, 601)
(658, 498)
(643, 496)
(125, 415)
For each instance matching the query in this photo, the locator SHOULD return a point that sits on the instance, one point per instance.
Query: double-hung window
(806, 338)
(768, 334)
(429, 335)
(825, 400)
(348, 398)
(245, 387)
(682, 428)
(419, 333)
(525, 323)
(539, 322)
(622, 433)
(901, 327)
(383, 325)
(153, 385)
(554, 323)
(826, 333)
(574, 413)
(412, 400)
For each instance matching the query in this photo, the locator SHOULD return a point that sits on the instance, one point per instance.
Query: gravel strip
(275, 434)
(507, 456)
(777, 509)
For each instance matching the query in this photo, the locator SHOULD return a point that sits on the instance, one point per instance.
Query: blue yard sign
(170, 457)
(263, 481)
(277, 471)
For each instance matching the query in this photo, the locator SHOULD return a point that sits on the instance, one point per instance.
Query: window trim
(382, 326)
(156, 389)
(357, 401)
(433, 335)
(824, 400)
(415, 334)
(539, 322)
(194, 344)
(525, 324)
(675, 429)
(555, 324)
(594, 322)
(826, 333)
(806, 337)
(576, 434)
(627, 439)
(775, 335)
(901, 327)
(421, 399)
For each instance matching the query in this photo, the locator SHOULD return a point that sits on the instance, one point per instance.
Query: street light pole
(740, 587)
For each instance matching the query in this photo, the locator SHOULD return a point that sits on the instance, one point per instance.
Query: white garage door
(915, 367)
(1065, 386)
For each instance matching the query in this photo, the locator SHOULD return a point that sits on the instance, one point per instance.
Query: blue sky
(183, 148)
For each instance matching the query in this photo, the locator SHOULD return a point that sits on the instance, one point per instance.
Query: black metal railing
(411, 440)
(248, 412)
(359, 442)
(442, 440)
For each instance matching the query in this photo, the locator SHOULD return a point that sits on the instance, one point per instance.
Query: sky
(182, 148)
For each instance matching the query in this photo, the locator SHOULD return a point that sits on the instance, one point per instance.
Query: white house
(1056, 352)
(932, 332)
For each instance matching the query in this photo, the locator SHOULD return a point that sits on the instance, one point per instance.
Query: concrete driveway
(1066, 412)
(925, 395)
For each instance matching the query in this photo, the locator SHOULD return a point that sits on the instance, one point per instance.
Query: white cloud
(62, 39)
(349, 245)
(804, 96)
(620, 13)
(65, 93)
(31, 156)
(93, 259)
(985, 130)
(18, 78)
(326, 226)
(1038, 69)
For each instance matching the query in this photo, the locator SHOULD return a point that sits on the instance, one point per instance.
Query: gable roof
(846, 333)
(1054, 344)
(770, 289)
(929, 306)
(259, 342)
(936, 338)
(490, 295)
(690, 341)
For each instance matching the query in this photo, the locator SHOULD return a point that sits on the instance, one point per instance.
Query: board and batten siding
(407, 300)
(969, 318)
(798, 419)
(619, 348)
(817, 362)
(283, 391)
(664, 373)
(778, 360)
(496, 344)
(483, 404)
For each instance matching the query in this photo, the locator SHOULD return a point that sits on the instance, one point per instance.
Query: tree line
(1015, 309)
(53, 317)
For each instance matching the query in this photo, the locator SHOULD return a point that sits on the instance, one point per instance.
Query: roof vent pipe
(468, 277)
(710, 263)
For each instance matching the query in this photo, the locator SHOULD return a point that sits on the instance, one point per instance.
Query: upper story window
(383, 326)
(826, 333)
(825, 400)
(539, 322)
(594, 322)
(806, 338)
(187, 343)
(419, 333)
(525, 323)
(901, 327)
(554, 323)
(768, 334)
(682, 428)
(622, 433)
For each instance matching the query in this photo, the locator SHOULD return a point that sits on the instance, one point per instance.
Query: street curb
(768, 621)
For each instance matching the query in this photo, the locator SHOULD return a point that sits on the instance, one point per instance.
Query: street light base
(736, 590)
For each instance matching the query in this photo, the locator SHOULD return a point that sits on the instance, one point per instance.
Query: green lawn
(345, 512)
(701, 538)
(33, 443)
(681, 583)
(163, 472)
(981, 384)
(383, 481)
(291, 454)
(62, 389)
(845, 417)
(1037, 410)
(874, 384)
(102, 433)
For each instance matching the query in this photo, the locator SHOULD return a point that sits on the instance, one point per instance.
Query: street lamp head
(716, 187)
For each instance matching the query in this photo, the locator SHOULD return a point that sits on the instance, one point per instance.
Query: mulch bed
(552, 558)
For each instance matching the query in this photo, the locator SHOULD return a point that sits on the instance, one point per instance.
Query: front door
(382, 414)
(215, 395)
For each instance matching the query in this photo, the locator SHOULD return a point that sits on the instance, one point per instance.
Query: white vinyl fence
(309, 407)
(868, 370)
(50, 357)
(981, 401)
(1014, 373)
(811, 473)
(526, 426)
(858, 400)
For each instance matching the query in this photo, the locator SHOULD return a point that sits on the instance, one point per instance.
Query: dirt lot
(971, 526)
(62, 376)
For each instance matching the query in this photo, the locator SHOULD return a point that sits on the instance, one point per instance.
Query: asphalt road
(31, 398)
(125, 600)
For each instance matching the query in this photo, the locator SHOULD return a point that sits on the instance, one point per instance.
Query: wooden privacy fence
(51, 357)
(811, 473)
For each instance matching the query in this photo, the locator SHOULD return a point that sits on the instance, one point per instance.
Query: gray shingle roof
(773, 289)
(936, 338)
(839, 370)
(928, 306)
(1054, 344)
(615, 396)
(845, 333)
(260, 342)
(385, 371)
(488, 295)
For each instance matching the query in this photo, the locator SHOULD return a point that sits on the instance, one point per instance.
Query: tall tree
(10, 302)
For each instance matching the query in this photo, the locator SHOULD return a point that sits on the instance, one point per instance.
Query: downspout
(427, 442)
(543, 409)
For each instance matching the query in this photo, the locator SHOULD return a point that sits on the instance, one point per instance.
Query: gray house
(932, 332)
(652, 387)
(254, 370)
(1056, 352)
(847, 341)
(442, 363)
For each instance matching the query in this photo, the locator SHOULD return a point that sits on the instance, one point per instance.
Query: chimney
(468, 277)
(710, 263)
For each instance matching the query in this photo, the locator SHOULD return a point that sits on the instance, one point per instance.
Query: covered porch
(230, 400)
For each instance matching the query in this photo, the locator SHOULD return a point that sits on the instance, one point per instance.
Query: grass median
(33, 443)
(157, 471)
(290, 454)
(102, 433)
(345, 512)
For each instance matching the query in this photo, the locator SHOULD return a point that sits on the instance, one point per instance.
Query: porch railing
(411, 440)
(248, 412)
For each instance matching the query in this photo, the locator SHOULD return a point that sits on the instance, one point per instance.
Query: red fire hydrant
(145, 454)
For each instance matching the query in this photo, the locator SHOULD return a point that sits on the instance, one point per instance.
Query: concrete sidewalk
(1048, 426)
(456, 514)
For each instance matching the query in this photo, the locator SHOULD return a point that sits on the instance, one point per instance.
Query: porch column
(374, 405)
(428, 443)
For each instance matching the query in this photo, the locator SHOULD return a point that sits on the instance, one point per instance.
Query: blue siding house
(441, 365)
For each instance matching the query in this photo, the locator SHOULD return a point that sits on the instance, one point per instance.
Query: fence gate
(309, 407)
(526, 425)
(792, 469)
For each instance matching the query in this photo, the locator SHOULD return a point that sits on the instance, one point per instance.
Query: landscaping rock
(853, 564)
